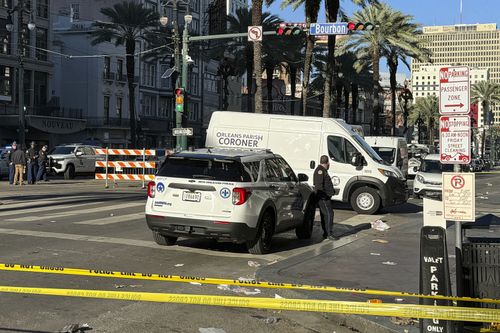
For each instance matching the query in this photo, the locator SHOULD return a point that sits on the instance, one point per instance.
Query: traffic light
(179, 100)
(291, 29)
(358, 26)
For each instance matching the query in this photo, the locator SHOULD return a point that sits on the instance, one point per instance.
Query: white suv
(72, 159)
(428, 178)
(241, 196)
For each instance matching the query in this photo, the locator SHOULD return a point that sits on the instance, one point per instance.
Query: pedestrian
(324, 191)
(9, 161)
(42, 164)
(18, 159)
(32, 162)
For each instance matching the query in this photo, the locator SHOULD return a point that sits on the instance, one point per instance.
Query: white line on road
(133, 242)
(75, 212)
(28, 203)
(41, 209)
(113, 219)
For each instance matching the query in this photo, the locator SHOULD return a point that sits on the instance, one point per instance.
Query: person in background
(18, 159)
(9, 161)
(324, 191)
(31, 159)
(42, 164)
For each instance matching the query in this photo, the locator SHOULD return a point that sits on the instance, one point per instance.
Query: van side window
(340, 150)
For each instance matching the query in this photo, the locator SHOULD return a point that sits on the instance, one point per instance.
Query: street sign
(459, 199)
(454, 90)
(328, 29)
(182, 131)
(168, 73)
(255, 33)
(455, 143)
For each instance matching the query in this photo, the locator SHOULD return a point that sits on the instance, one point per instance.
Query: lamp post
(181, 141)
(406, 96)
(20, 10)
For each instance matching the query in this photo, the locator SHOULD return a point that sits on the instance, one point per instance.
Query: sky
(425, 12)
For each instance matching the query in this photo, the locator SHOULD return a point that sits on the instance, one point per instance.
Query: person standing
(42, 164)
(324, 191)
(9, 161)
(18, 159)
(31, 159)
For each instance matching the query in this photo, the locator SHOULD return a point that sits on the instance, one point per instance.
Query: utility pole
(185, 54)
(178, 115)
(20, 79)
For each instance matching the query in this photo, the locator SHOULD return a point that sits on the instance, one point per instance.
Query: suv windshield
(200, 168)
(434, 166)
(387, 153)
(62, 150)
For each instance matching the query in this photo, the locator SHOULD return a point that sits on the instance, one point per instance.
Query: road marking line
(75, 212)
(134, 242)
(114, 219)
(40, 209)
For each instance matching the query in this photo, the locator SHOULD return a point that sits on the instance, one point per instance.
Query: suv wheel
(304, 230)
(70, 172)
(365, 200)
(163, 239)
(262, 243)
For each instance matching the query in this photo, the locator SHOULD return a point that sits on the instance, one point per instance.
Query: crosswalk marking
(27, 203)
(41, 209)
(75, 212)
(113, 219)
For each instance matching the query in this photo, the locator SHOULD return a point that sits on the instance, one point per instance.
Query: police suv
(242, 196)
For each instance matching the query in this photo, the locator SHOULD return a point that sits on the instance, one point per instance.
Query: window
(106, 109)
(25, 40)
(6, 3)
(5, 37)
(5, 83)
(41, 42)
(119, 70)
(107, 65)
(253, 169)
(340, 150)
(42, 8)
(204, 168)
(88, 151)
(287, 170)
(75, 12)
(40, 93)
(119, 110)
(272, 171)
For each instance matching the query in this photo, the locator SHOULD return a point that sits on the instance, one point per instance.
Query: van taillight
(151, 189)
(240, 195)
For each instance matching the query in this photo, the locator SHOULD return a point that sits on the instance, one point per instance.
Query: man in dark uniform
(324, 191)
(31, 159)
(42, 164)
(12, 168)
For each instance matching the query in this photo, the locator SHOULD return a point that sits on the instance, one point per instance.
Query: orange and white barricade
(117, 166)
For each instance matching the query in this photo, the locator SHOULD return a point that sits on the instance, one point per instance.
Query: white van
(392, 149)
(359, 175)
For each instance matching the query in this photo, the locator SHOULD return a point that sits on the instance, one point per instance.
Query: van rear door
(197, 187)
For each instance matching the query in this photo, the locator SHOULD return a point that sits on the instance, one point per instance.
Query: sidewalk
(357, 261)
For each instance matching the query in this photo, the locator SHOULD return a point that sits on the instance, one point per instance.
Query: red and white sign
(454, 90)
(255, 33)
(459, 196)
(455, 144)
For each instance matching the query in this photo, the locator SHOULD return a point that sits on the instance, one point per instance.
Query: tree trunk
(312, 9)
(332, 9)
(376, 87)
(355, 96)
(338, 101)
(257, 56)
(225, 100)
(393, 68)
(293, 82)
(346, 102)
(486, 111)
(249, 86)
(130, 63)
(269, 75)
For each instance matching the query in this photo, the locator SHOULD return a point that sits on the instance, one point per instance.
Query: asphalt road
(79, 224)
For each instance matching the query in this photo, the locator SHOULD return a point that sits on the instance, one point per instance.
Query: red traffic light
(291, 29)
(280, 31)
(366, 26)
(179, 91)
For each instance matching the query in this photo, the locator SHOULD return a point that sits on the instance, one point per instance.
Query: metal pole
(106, 184)
(20, 80)
(177, 51)
(143, 167)
(185, 53)
(458, 249)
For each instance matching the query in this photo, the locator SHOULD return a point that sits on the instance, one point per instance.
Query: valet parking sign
(454, 105)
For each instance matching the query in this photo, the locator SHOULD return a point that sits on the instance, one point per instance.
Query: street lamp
(21, 10)
(405, 95)
(181, 141)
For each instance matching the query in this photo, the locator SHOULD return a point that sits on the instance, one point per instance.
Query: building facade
(473, 45)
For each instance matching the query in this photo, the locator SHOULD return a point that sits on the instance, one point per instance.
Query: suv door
(79, 159)
(89, 159)
(294, 194)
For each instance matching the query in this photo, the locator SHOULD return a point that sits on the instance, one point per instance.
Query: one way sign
(454, 90)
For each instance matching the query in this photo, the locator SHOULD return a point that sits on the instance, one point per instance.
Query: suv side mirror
(79, 153)
(415, 168)
(312, 164)
(303, 177)
(357, 160)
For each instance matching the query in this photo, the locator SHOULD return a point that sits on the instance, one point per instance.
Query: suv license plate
(190, 196)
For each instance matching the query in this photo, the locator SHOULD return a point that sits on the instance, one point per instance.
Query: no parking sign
(459, 196)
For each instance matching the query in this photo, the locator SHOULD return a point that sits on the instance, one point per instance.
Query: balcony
(108, 76)
(121, 78)
(46, 111)
(97, 122)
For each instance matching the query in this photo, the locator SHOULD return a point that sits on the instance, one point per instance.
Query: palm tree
(293, 57)
(425, 110)
(486, 93)
(243, 51)
(129, 22)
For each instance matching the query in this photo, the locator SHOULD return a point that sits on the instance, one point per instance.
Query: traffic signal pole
(185, 53)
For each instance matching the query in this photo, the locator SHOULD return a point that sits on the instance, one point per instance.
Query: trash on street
(380, 225)
(390, 263)
(253, 263)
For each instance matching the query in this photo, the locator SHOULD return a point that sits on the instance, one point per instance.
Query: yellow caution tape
(361, 308)
(238, 282)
